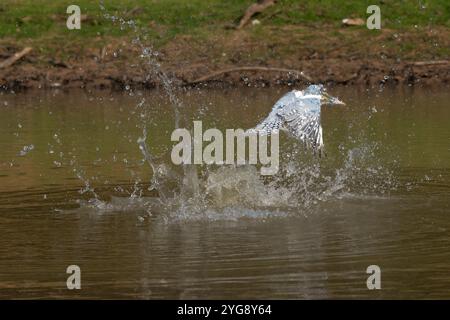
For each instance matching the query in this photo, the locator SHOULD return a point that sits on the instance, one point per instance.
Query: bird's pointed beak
(337, 101)
(332, 100)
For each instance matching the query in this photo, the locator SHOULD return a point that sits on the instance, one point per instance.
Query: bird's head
(325, 98)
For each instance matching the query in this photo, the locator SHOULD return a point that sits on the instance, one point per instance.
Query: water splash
(25, 150)
(230, 192)
(153, 67)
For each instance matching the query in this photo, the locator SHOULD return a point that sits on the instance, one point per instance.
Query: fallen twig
(428, 63)
(265, 69)
(255, 8)
(353, 22)
(16, 56)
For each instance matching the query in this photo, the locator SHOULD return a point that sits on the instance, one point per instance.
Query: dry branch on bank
(238, 69)
(429, 63)
(15, 57)
(255, 8)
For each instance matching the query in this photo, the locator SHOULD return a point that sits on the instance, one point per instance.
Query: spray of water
(148, 55)
(234, 192)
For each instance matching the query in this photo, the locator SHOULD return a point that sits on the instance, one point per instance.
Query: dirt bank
(346, 57)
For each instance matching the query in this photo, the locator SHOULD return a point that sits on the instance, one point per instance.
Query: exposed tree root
(238, 69)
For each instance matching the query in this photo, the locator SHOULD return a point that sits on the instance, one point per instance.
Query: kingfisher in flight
(298, 113)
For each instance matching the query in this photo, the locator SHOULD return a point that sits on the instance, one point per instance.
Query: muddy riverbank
(238, 58)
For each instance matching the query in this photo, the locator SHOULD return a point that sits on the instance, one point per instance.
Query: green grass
(42, 23)
(394, 13)
(22, 19)
(36, 18)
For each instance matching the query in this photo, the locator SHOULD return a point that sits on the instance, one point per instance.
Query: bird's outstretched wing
(305, 126)
(272, 123)
(274, 120)
(297, 115)
(301, 118)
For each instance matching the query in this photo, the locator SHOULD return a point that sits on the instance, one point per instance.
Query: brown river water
(74, 190)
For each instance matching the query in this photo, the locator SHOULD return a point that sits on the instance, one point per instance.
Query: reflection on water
(74, 189)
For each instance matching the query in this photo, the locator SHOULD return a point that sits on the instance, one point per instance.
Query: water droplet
(25, 150)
